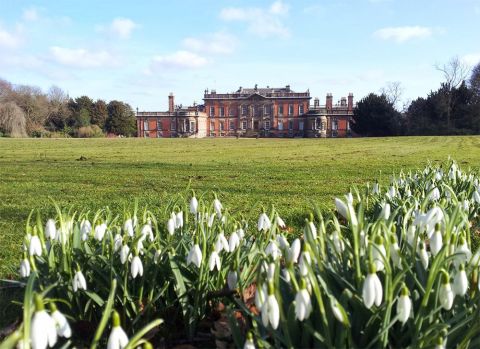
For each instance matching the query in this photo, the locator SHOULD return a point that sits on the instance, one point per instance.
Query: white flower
(128, 227)
(338, 243)
(147, 231)
(249, 344)
(232, 279)
(270, 271)
(124, 253)
(214, 261)
(85, 229)
(222, 243)
(79, 282)
(435, 194)
(385, 214)
(463, 253)
(460, 282)
(43, 332)
(476, 197)
(263, 222)
(282, 241)
(445, 294)
(118, 338)
(376, 188)
(392, 192)
(379, 253)
(270, 310)
(100, 231)
(195, 256)
(349, 197)
(395, 254)
(233, 241)
(338, 311)
(61, 323)
(341, 207)
(286, 275)
(210, 220)
(466, 205)
(313, 229)
(280, 222)
(241, 233)
(372, 291)
(117, 242)
(35, 247)
(25, 268)
(273, 250)
(217, 206)
(171, 226)
(136, 268)
(156, 257)
(423, 255)
(50, 229)
(179, 220)
(404, 306)
(260, 296)
(305, 260)
(436, 242)
(193, 205)
(294, 251)
(303, 305)
(411, 231)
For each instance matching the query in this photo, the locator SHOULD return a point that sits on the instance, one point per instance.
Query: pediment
(256, 97)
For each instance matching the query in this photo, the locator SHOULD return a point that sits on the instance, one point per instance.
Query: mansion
(251, 112)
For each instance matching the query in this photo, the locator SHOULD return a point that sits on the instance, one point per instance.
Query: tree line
(28, 111)
(452, 109)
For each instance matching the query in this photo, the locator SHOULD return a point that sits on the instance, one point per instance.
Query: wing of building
(251, 112)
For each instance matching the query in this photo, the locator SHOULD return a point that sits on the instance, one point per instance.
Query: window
(280, 110)
(334, 125)
(172, 125)
(244, 110)
(244, 125)
(300, 109)
(348, 125)
(290, 109)
(159, 124)
(192, 126)
(300, 125)
(267, 125)
(290, 125)
(222, 111)
(267, 109)
(231, 111)
(222, 126)
(232, 125)
(212, 111)
(280, 125)
(212, 125)
(145, 125)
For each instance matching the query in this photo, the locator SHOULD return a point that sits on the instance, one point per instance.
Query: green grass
(292, 174)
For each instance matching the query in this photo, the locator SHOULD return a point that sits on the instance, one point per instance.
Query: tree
(474, 82)
(100, 113)
(393, 91)
(59, 113)
(12, 120)
(121, 119)
(375, 116)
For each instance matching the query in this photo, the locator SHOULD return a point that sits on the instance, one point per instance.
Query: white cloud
(178, 60)
(9, 39)
(264, 22)
(215, 43)
(471, 59)
(82, 58)
(403, 34)
(30, 14)
(120, 27)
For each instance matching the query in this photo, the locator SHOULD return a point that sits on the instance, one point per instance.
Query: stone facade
(251, 112)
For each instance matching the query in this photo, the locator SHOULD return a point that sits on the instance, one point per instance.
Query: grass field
(245, 173)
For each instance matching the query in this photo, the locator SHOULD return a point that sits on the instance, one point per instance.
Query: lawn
(246, 173)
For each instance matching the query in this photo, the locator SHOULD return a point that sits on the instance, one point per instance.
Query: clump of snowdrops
(392, 266)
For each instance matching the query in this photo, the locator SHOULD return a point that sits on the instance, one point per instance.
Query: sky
(140, 51)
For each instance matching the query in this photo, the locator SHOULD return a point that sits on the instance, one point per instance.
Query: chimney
(350, 102)
(171, 103)
(329, 102)
(316, 103)
(287, 88)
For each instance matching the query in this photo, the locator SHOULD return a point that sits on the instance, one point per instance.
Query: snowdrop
(395, 252)
(35, 248)
(338, 311)
(404, 305)
(136, 267)
(79, 282)
(210, 220)
(476, 196)
(85, 229)
(273, 250)
(193, 205)
(260, 295)
(445, 294)
(372, 291)
(294, 251)
(214, 261)
(43, 331)
(124, 253)
(313, 229)
(385, 213)
(171, 226)
(147, 232)
(338, 243)
(280, 223)
(305, 261)
(282, 242)
(233, 241)
(222, 243)
(435, 194)
(436, 241)
(117, 242)
(118, 338)
(264, 222)
(61, 323)
(249, 344)
(195, 256)
(128, 227)
(376, 188)
(392, 192)
(179, 220)
(25, 268)
(217, 206)
(379, 254)
(341, 207)
(460, 282)
(463, 253)
(100, 231)
(156, 257)
(270, 309)
(50, 229)
(303, 303)
(423, 255)
(271, 272)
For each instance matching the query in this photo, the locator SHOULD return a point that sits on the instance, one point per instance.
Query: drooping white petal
(460, 283)
(128, 227)
(446, 296)
(25, 268)
(61, 323)
(193, 205)
(404, 308)
(124, 253)
(118, 338)
(233, 241)
(136, 268)
(43, 332)
(35, 248)
(294, 251)
(50, 229)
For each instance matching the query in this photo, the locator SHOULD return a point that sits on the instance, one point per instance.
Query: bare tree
(393, 90)
(12, 120)
(474, 81)
(454, 72)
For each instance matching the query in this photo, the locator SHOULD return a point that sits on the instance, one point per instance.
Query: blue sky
(139, 51)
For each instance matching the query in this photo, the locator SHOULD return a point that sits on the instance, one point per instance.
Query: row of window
(256, 110)
(188, 126)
